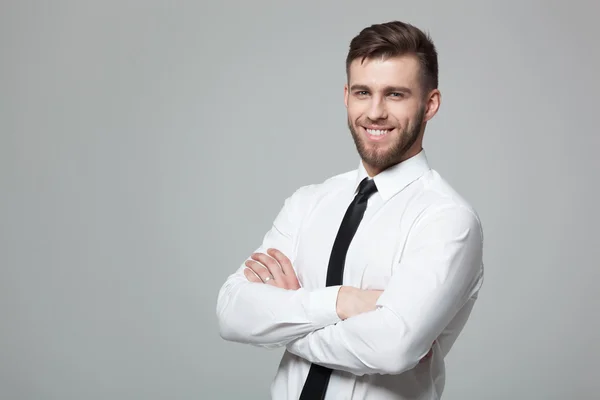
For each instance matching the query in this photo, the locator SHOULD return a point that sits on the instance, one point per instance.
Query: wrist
(352, 301)
(342, 305)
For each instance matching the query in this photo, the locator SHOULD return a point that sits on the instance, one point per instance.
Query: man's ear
(433, 104)
(346, 95)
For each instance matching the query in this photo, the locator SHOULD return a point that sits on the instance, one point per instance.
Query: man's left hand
(273, 268)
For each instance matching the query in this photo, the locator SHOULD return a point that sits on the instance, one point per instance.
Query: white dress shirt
(419, 241)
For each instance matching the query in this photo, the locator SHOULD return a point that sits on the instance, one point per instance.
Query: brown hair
(393, 39)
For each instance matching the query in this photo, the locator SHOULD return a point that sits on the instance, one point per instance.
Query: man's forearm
(269, 316)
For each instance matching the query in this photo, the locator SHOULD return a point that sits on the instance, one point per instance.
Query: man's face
(386, 110)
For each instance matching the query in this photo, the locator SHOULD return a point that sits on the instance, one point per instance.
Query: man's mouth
(377, 134)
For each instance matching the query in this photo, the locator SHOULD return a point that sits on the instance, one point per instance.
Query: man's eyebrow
(403, 89)
(386, 89)
(359, 87)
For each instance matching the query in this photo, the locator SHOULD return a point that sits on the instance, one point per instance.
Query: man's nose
(377, 110)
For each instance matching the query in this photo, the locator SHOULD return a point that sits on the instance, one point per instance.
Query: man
(366, 278)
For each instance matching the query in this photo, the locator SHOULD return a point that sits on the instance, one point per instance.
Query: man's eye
(397, 94)
(362, 93)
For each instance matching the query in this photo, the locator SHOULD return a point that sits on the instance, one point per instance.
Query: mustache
(368, 121)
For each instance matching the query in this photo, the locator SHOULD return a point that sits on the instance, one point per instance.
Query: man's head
(391, 92)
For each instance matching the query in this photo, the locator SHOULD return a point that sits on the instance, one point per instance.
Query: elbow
(397, 348)
(396, 358)
(403, 361)
(239, 333)
(225, 330)
(234, 328)
(228, 328)
(229, 332)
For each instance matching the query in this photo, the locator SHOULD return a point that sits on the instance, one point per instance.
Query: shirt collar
(392, 180)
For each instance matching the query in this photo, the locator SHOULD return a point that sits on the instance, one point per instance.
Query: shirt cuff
(321, 306)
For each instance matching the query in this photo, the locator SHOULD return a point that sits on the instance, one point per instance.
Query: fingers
(273, 268)
(284, 262)
(266, 268)
(271, 265)
(261, 273)
(251, 275)
(289, 274)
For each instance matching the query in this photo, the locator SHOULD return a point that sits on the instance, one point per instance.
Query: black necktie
(316, 383)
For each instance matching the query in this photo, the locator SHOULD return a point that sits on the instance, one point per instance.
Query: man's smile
(377, 134)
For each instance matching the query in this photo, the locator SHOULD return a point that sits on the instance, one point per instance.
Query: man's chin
(379, 161)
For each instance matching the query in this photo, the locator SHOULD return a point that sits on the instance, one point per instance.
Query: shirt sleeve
(268, 316)
(436, 280)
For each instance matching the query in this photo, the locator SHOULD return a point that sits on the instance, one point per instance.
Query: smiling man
(368, 278)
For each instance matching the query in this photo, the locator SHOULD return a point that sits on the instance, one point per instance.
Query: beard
(382, 158)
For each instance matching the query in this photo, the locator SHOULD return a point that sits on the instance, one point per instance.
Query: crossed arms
(344, 328)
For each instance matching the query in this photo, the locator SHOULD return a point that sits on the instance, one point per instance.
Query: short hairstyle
(393, 39)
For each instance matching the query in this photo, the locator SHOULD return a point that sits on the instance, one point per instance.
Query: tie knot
(366, 188)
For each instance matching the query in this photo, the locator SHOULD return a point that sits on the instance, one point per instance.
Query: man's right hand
(352, 301)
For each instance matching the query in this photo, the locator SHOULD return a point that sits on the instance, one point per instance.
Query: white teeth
(377, 132)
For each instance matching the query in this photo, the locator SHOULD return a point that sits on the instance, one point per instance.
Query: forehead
(380, 72)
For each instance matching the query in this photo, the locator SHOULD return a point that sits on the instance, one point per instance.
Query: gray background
(147, 146)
